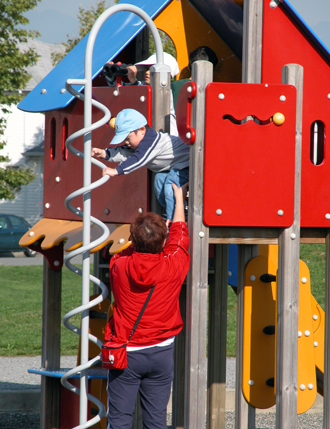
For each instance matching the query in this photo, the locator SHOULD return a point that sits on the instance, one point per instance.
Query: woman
(152, 260)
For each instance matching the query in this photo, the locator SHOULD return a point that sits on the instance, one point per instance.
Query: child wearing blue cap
(161, 153)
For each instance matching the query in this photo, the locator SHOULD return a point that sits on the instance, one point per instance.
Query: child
(162, 153)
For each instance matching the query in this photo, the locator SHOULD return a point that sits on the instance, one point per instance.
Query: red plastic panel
(249, 167)
(285, 43)
(121, 197)
(183, 112)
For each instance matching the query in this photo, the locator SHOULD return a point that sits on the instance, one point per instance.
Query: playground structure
(255, 180)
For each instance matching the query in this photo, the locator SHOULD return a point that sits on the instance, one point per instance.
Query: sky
(57, 19)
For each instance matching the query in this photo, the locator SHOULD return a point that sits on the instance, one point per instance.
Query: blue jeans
(149, 371)
(164, 190)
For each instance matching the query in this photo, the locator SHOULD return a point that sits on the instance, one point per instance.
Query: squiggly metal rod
(104, 294)
(87, 178)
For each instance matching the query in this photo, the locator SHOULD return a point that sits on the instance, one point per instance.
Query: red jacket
(132, 275)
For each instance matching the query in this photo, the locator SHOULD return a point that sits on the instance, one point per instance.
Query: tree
(14, 77)
(86, 19)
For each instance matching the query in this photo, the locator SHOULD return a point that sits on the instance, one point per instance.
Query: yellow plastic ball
(278, 118)
(112, 122)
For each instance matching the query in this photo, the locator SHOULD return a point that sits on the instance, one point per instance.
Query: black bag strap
(139, 316)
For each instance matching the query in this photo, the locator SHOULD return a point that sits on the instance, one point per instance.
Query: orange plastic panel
(249, 165)
(118, 200)
(258, 347)
(307, 386)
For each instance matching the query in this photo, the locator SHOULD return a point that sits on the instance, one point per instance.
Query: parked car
(12, 228)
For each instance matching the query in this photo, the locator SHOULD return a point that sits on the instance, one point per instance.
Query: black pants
(149, 371)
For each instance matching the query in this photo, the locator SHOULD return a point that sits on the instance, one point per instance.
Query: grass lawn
(21, 305)
(21, 310)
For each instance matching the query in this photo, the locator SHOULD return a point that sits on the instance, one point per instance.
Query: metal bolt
(142, 98)
(293, 236)
(63, 90)
(252, 278)
(43, 91)
(327, 216)
(116, 93)
(307, 333)
(106, 211)
(31, 233)
(280, 212)
(221, 96)
(189, 89)
(47, 205)
(188, 135)
(56, 263)
(121, 240)
(282, 98)
(140, 210)
(219, 212)
(57, 179)
(304, 280)
(302, 387)
(201, 234)
(315, 317)
(250, 382)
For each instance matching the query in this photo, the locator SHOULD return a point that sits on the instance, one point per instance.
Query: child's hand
(131, 74)
(99, 153)
(110, 172)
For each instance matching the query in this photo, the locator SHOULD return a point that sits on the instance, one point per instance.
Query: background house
(25, 140)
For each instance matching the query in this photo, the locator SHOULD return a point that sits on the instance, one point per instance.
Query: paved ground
(20, 397)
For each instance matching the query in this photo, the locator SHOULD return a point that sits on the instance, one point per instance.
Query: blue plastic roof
(114, 35)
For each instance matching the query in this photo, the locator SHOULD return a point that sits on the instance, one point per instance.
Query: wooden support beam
(197, 279)
(51, 347)
(179, 368)
(244, 414)
(216, 379)
(288, 284)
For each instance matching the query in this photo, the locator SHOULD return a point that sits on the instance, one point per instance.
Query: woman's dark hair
(203, 53)
(148, 233)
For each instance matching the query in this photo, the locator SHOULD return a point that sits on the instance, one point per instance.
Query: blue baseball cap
(127, 120)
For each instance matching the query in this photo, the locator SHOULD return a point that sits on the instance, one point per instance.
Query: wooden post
(197, 279)
(288, 284)
(216, 379)
(251, 73)
(179, 368)
(161, 96)
(244, 414)
(326, 375)
(51, 347)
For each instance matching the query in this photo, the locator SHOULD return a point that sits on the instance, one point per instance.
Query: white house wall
(25, 131)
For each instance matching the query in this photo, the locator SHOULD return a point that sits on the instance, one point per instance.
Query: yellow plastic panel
(258, 348)
(188, 30)
(307, 386)
(318, 334)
